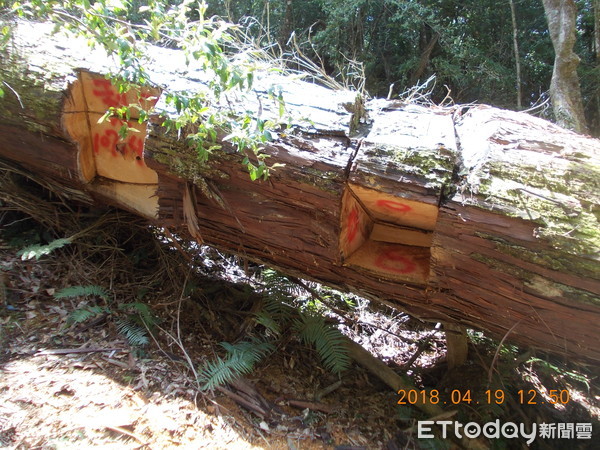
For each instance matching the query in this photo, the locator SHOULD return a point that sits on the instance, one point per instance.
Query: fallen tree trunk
(468, 215)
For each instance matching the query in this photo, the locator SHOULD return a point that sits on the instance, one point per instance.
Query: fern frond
(136, 335)
(240, 360)
(256, 348)
(222, 371)
(83, 314)
(37, 251)
(327, 340)
(267, 321)
(82, 291)
(277, 283)
(142, 311)
(277, 306)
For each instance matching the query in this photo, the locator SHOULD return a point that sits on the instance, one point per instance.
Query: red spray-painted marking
(106, 92)
(393, 205)
(393, 261)
(148, 96)
(108, 140)
(352, 224)
(137, 145)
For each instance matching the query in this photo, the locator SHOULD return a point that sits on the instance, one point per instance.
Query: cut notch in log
(104, 149)
(110, 161)
(386, 235)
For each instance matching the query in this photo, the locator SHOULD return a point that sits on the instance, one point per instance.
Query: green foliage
(327, 340)
(136, 335)
(38, 250)
(240, 359)
(277, 314)
(84, 314)
(552, 369)
(133, 320)
(139, 312)
(82, 291)
(307, 322)
(4, 38)
(126, 29)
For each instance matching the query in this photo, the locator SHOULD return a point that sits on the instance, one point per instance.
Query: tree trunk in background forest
(427, 46)
(564, 88)
(597, 30)
(596, 126)
(287, 28)
(516, 47)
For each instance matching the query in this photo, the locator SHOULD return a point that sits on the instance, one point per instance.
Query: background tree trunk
(565, 92)
(597, 30)
(516, 49)
(427, 45)
(595, 125)
(287, 26)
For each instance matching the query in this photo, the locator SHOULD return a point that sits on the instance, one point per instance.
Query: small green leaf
(37, 251)
(82, 291)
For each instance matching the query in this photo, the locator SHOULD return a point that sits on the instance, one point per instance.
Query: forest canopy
(467, 44)
(485, 51)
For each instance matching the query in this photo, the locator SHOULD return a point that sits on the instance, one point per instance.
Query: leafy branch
(126, 31)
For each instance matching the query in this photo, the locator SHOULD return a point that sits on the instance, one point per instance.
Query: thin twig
(128, 433)
(14, 92)
(66, 351)
(498, 351)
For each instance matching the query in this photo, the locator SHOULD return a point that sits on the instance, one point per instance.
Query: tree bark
(516, 50)
(424, 59)
(595, 120)
(565, 92)
(477, 217)
(287, 27)
(597, 30)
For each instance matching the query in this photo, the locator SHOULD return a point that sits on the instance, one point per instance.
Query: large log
(468, 215)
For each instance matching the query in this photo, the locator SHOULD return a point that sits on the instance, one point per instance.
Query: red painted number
(106, 92)
(108, 140)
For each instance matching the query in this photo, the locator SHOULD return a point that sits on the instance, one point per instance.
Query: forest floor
(66, 384)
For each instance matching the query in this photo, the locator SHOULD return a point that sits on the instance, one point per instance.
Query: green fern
(328, 341)
(278, 284)
(82, 291)
(139, 311)
(311, 327)
(266, 320)
(275, 313)
(240, 360)
(135, 335)
(131, 320)
(37, 251)
(83, 314)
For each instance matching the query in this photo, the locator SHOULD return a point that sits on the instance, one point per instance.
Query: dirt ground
(81, 385)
